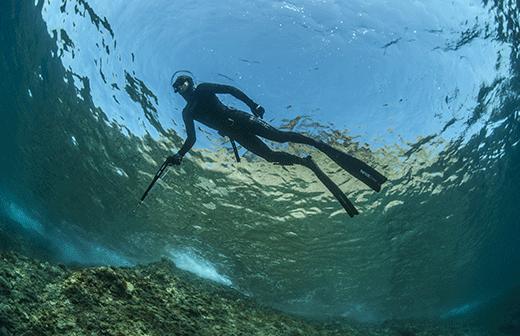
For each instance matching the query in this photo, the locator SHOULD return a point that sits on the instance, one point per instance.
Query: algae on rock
(37, 298)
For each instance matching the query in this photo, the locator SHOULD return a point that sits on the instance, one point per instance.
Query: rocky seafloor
(39, 298)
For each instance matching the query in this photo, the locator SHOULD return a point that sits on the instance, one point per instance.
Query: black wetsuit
(247, 129)
(205, 107)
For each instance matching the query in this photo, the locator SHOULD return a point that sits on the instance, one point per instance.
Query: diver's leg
(355, 167)
(258, 147)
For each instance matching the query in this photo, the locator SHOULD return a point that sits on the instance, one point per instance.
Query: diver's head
(183, 84)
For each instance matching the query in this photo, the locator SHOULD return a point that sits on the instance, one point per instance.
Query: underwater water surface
(427, 92)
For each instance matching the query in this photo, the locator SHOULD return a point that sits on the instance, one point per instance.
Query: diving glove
(258, 111)
(174, 159)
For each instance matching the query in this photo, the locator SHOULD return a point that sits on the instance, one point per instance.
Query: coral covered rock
(37, 298)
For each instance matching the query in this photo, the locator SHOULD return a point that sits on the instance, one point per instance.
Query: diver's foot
(309, 161)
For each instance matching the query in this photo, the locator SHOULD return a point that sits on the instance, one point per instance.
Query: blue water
(426, 91)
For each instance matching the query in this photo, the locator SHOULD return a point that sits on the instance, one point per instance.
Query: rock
(154, 299)
(4, 332)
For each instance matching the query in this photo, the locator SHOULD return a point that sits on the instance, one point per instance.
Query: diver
(203, 106)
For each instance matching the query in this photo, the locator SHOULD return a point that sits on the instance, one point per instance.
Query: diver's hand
(258, 111)
(174, 159)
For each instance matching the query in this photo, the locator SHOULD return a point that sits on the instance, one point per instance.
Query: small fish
(248, 61)
(227, 77)
(390, 43)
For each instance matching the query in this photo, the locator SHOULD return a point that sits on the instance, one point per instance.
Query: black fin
(356, 167)
(333, 188)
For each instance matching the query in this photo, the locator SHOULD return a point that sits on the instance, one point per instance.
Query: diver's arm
(256, 109)
(191, 138)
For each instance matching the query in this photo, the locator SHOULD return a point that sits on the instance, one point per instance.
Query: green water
(442, 234)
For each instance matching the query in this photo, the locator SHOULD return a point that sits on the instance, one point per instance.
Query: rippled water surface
(425, 91)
